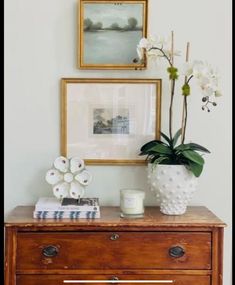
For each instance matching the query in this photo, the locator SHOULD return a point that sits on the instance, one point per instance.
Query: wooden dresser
(179, 250)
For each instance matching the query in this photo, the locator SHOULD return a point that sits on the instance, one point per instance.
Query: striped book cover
(53, 204)
(66, 214)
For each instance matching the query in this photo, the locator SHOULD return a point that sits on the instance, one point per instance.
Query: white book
(66, 214)
(53, 204)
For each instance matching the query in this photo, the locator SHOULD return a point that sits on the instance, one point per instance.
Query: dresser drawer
(59, 279)
(119, 250)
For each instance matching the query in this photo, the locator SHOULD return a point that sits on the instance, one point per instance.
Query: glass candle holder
(132, 203)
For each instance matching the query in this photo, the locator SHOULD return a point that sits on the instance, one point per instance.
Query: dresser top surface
(195, 216)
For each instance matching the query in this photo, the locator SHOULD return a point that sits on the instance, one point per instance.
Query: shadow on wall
(37, 187)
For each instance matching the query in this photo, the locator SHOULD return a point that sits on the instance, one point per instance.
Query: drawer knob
(176, 251)
(50, 251)
(114, 237)
(114, 278)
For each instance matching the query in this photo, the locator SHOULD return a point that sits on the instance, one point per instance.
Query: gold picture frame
(108, 33)
(106, 121)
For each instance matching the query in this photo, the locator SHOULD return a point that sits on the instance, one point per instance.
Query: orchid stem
(171, 107)
(163, 53)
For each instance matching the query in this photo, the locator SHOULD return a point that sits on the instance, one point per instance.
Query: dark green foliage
(158, 152)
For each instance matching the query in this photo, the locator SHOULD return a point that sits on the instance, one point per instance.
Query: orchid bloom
(155, 47)
(205, 76)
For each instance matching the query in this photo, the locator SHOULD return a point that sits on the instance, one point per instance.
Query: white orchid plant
(167, 152)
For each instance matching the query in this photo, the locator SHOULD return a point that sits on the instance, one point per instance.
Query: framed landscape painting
(106, 121)
(109, 32)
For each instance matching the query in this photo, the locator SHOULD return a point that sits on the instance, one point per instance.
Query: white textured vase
(174, 186)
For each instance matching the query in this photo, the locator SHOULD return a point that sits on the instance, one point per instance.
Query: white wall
(40, 48)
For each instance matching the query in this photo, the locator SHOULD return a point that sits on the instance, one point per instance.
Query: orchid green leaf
(195, 168)
(166, 138)
(191, 146)
(161, 149)
(193, 156)
(176, 137)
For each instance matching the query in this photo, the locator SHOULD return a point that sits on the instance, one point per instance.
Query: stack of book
(52, 208)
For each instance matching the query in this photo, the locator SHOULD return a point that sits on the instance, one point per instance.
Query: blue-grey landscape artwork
(111, 32)
(109, 121)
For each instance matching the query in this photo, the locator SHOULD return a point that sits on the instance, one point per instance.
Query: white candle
(132, 202)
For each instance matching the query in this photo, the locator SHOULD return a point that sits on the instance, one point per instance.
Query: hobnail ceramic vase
(174, 186)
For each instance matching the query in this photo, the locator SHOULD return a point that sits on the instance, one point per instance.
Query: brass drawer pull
(50, 251)
(114, 237)
(114, 278)
(176, 251)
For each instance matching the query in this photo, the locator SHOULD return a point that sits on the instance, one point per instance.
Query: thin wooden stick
(187, 51)
(184, 112)
(172, 86)
(172, 48)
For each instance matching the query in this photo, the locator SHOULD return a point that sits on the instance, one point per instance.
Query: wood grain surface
(195, 216)
(96, 250)
(86, 250)
(58, 280)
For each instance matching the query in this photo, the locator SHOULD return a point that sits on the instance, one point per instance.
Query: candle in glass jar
(132, 203)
